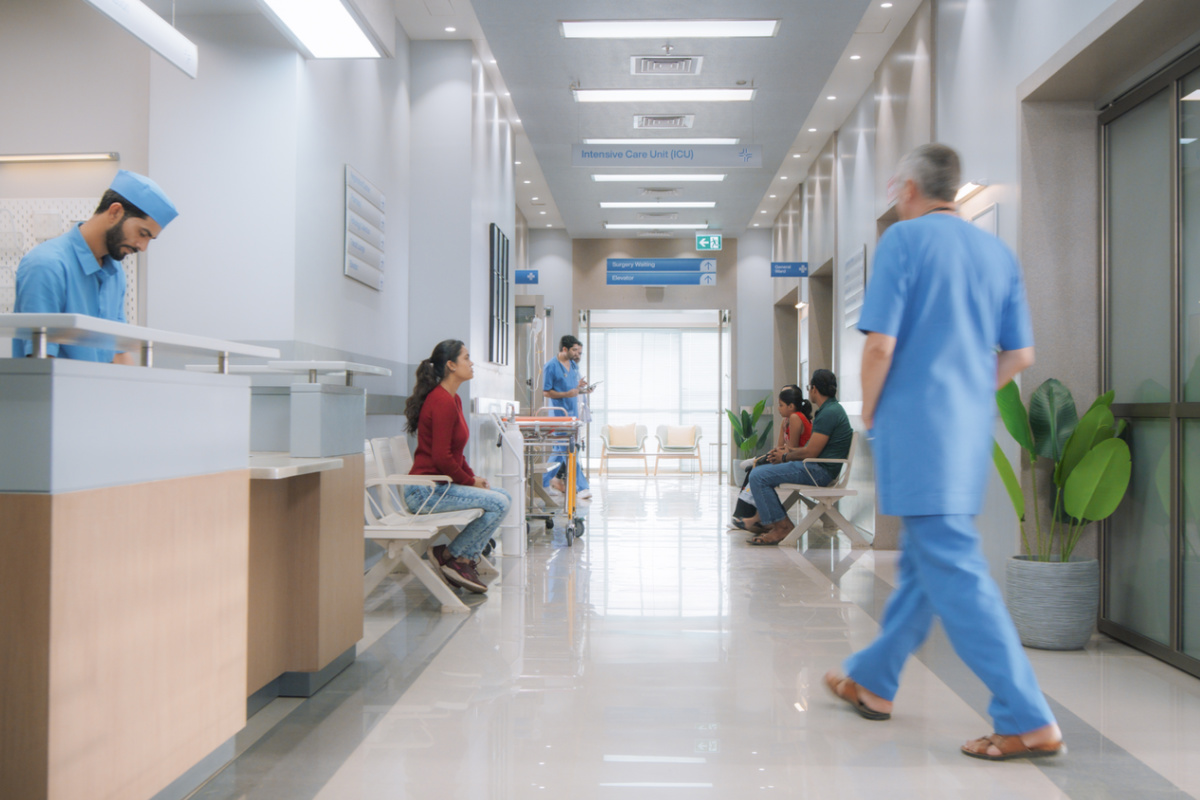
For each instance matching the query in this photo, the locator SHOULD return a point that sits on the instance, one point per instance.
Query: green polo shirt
(832, 421)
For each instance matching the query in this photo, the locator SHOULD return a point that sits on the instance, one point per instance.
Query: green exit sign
(708, 241)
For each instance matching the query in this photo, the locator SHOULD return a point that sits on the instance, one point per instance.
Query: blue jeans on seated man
(453, 497)
(765, 477)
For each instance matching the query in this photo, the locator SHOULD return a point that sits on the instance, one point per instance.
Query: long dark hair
(430, 373)
(793, 395)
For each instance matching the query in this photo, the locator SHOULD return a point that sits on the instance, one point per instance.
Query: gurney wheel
(570, 534)
(579, 529)
(549, 524)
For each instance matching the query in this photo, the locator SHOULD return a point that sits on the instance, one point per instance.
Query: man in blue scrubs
(80, 271)
(947, 323)
(562, 383)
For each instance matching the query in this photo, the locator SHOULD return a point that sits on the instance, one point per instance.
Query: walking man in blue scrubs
(80, 272)
(944, 297)
(562, 383)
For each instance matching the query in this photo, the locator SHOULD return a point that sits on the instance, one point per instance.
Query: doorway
(656, 368)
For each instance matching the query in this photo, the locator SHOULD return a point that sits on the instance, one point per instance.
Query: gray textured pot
(1054, 604)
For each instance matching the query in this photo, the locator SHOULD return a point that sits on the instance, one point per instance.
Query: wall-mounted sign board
(365, 217)
(789, 269)
(662, 272)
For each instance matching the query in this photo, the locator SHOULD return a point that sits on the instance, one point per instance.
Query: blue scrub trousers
(943, 572)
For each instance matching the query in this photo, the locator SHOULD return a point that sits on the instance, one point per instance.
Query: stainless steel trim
(39, 343)
(148, 354)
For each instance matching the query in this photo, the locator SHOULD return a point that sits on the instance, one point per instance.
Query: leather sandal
(846, 690)
(740, 524)
(761, 540)
(1011, 747)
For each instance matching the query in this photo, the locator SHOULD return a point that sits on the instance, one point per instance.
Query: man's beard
(114, 240)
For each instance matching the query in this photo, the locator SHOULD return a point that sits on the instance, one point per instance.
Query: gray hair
(934, 168)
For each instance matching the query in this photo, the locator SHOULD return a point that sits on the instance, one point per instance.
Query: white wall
(223, 146)
(985, 48)
(550, 255)
(753, 316)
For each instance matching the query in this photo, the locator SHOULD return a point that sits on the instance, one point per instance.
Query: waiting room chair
(822, 500)
(679, 442)
(623, 441)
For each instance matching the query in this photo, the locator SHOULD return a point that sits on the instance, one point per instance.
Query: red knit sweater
(442, 434)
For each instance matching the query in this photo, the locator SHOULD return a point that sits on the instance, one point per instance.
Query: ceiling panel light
(689, 178)
(692, 204)
(662, 141)
(154, 31)
(663, 95)
(669, 28)
(969, 190)
(656, 226)
(322, 28)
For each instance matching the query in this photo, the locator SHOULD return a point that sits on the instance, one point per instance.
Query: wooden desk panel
(144, 591)
(306, 571)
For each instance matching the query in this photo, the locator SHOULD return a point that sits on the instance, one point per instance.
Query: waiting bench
(822, 500)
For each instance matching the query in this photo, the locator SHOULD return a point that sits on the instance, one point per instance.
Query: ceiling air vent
(654, 234)
(657, 216)
(661, 121)
(657, 193)
(665, 65)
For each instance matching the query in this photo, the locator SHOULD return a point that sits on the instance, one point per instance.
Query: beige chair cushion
(622, 435)
(681, 436)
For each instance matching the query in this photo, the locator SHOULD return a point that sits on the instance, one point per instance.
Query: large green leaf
(1009, 477)
(1052, 418)
(735, 422)
(747, 423)
(759, 407)
(1012, 412)
(1097, 485)
(1095, 426)
(1105, 400)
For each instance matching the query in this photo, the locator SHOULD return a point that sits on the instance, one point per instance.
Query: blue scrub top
(951, 294)
(558, 378)
(61, 276)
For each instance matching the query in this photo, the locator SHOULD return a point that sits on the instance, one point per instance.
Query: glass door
(1151, 546)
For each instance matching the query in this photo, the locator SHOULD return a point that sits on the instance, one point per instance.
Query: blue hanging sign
(662, 272)
(527, 276)
(789, 269)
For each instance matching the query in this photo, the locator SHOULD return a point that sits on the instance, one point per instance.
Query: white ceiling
(533, 69)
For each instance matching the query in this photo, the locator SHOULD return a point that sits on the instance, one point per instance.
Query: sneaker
(438, 557)
(460, 574)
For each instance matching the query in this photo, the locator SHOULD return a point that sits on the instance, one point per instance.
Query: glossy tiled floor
(662, 657)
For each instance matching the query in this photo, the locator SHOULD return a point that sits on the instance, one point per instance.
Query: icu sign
(708, 241)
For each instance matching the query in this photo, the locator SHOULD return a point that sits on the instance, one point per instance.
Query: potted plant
(1052, 596)
(747, 438)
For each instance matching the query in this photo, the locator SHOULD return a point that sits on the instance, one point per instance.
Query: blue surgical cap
(146, 195)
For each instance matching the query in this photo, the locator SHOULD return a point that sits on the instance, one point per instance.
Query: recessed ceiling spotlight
(783, 177)
(772, 196)
(542, 213)
(831, 97)
(518, 163)
(756, 224)
(533, 199)
(812, 130)
(451, 29)
(528, 181)
(885, 5)
(548, 225)
(795, 155)
(852, 58)
(491, 61)
(668, 28)
(763, 211)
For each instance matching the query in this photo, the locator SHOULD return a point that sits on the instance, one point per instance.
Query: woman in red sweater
(434, 412)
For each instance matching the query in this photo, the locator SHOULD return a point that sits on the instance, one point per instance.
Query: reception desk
(124, 553)
(306, 573)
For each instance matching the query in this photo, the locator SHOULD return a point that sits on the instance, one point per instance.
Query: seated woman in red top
(434, 412)
(796, 413)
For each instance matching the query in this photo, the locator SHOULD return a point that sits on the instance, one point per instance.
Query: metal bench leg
(857, 540)
(805, 524)
(433, 582)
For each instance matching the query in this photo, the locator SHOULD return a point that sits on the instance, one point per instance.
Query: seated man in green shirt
(830, 439)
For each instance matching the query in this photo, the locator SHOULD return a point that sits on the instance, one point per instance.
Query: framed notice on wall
(854, 285)
(365, 207)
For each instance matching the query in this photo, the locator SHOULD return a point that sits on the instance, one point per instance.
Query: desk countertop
(277, 466)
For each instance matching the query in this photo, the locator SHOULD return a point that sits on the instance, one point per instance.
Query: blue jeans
(943, 572)
(452, 497)
(765, 477)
